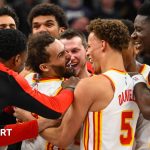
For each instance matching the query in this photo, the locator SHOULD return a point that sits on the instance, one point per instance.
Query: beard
(69, 71)
(64, 72)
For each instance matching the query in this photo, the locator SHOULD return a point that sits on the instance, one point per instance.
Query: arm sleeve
(19, 132)
(16, 91)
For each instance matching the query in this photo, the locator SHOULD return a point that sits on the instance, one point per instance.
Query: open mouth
(74, 64)
(71, 64)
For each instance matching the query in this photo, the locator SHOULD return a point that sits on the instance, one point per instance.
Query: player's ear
(61, 29)
(103, 45)
(44, 67)
(17, 60)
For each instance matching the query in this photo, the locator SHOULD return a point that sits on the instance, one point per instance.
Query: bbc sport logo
(5, 132)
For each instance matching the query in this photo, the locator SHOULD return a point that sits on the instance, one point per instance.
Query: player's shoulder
(96, 81)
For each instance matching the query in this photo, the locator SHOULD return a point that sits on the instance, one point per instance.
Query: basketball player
(51, 66)
(75, 45)
(142, 136)
(103, 102)
(46, 17)
(141, 38)
(15, 90)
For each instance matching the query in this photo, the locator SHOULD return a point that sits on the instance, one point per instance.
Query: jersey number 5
(126, 137)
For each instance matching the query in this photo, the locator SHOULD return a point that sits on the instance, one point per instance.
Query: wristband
(138, 78)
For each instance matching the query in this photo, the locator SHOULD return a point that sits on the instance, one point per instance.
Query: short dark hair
(111, 30)
(71, 33)
(9, 12)
(48, 9)
(129, 25)
(12, 42)
(37, 53)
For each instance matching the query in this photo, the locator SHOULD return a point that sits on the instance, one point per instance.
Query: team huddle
(60, 90)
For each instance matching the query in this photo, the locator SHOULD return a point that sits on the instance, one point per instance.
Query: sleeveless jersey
(113, 128)
(50, 87)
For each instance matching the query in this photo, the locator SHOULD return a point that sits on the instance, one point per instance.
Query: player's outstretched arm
(16, 91)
